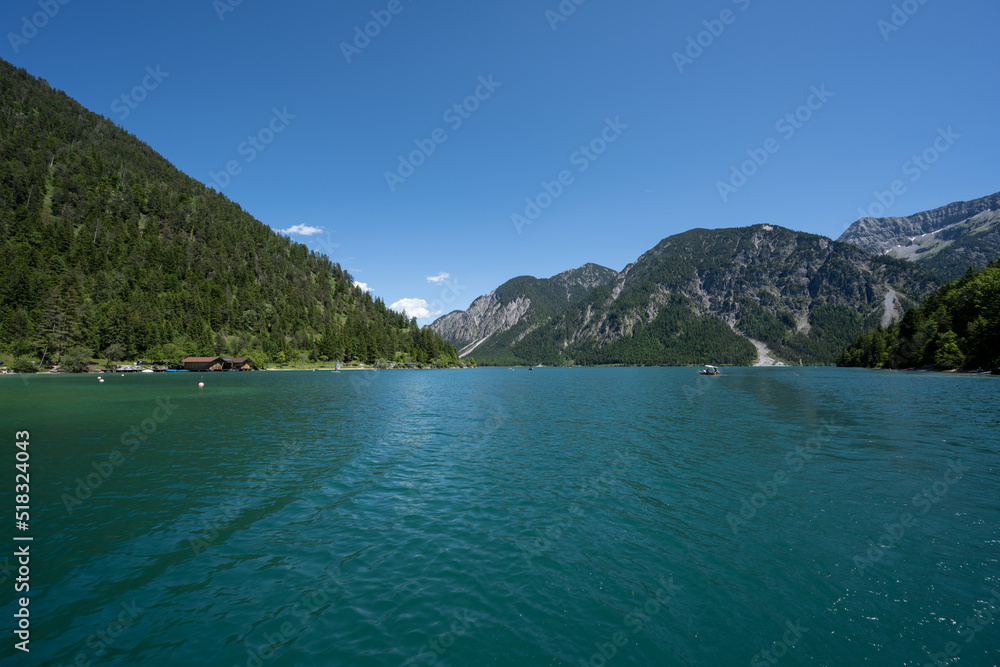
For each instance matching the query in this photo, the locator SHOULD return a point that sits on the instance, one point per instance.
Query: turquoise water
(547, 517)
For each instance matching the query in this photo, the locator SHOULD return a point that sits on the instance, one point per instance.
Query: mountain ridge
(948, 239)
(801, 296)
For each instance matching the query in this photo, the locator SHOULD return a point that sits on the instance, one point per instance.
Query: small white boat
(709, 370)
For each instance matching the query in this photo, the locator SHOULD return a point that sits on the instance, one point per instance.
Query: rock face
(950, 252)
(518, 304)
(486, 316)
(946, 240)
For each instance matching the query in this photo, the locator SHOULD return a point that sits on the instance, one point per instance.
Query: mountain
(716, 296)
(518, 306)
(956, 327)
(946, 240)
(105, 245)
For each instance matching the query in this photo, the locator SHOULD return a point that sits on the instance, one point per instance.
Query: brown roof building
(203, 363)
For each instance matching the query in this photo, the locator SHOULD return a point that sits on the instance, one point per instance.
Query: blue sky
(582, 133)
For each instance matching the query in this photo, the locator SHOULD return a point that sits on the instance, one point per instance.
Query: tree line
(958, 327)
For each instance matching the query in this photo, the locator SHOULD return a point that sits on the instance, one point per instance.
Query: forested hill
(104, 243)
(957, 327)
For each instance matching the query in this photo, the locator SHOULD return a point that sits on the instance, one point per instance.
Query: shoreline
(504, 366)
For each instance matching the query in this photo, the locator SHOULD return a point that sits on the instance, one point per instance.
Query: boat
(709, 370)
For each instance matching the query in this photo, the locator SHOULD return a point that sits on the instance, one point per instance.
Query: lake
(587, 516)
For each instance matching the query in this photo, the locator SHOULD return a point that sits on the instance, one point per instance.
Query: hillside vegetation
(104, 245)
(957, 327)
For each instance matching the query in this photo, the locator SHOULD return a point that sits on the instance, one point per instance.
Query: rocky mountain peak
(879, 235)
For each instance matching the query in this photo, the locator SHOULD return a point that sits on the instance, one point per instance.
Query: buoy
(201, 384)
(100, 379)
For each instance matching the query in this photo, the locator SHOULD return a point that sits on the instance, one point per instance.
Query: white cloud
(417, 308)
(302, 230)
(364, 286)
(439, 278)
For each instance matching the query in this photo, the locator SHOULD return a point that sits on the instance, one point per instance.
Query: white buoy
(201, 384)
(100, 379)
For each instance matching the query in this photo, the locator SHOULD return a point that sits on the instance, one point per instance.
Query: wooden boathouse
(203, 363)
(218, 364)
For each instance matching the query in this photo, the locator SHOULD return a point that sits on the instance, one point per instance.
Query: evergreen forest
(958, 327)
(106, 249)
